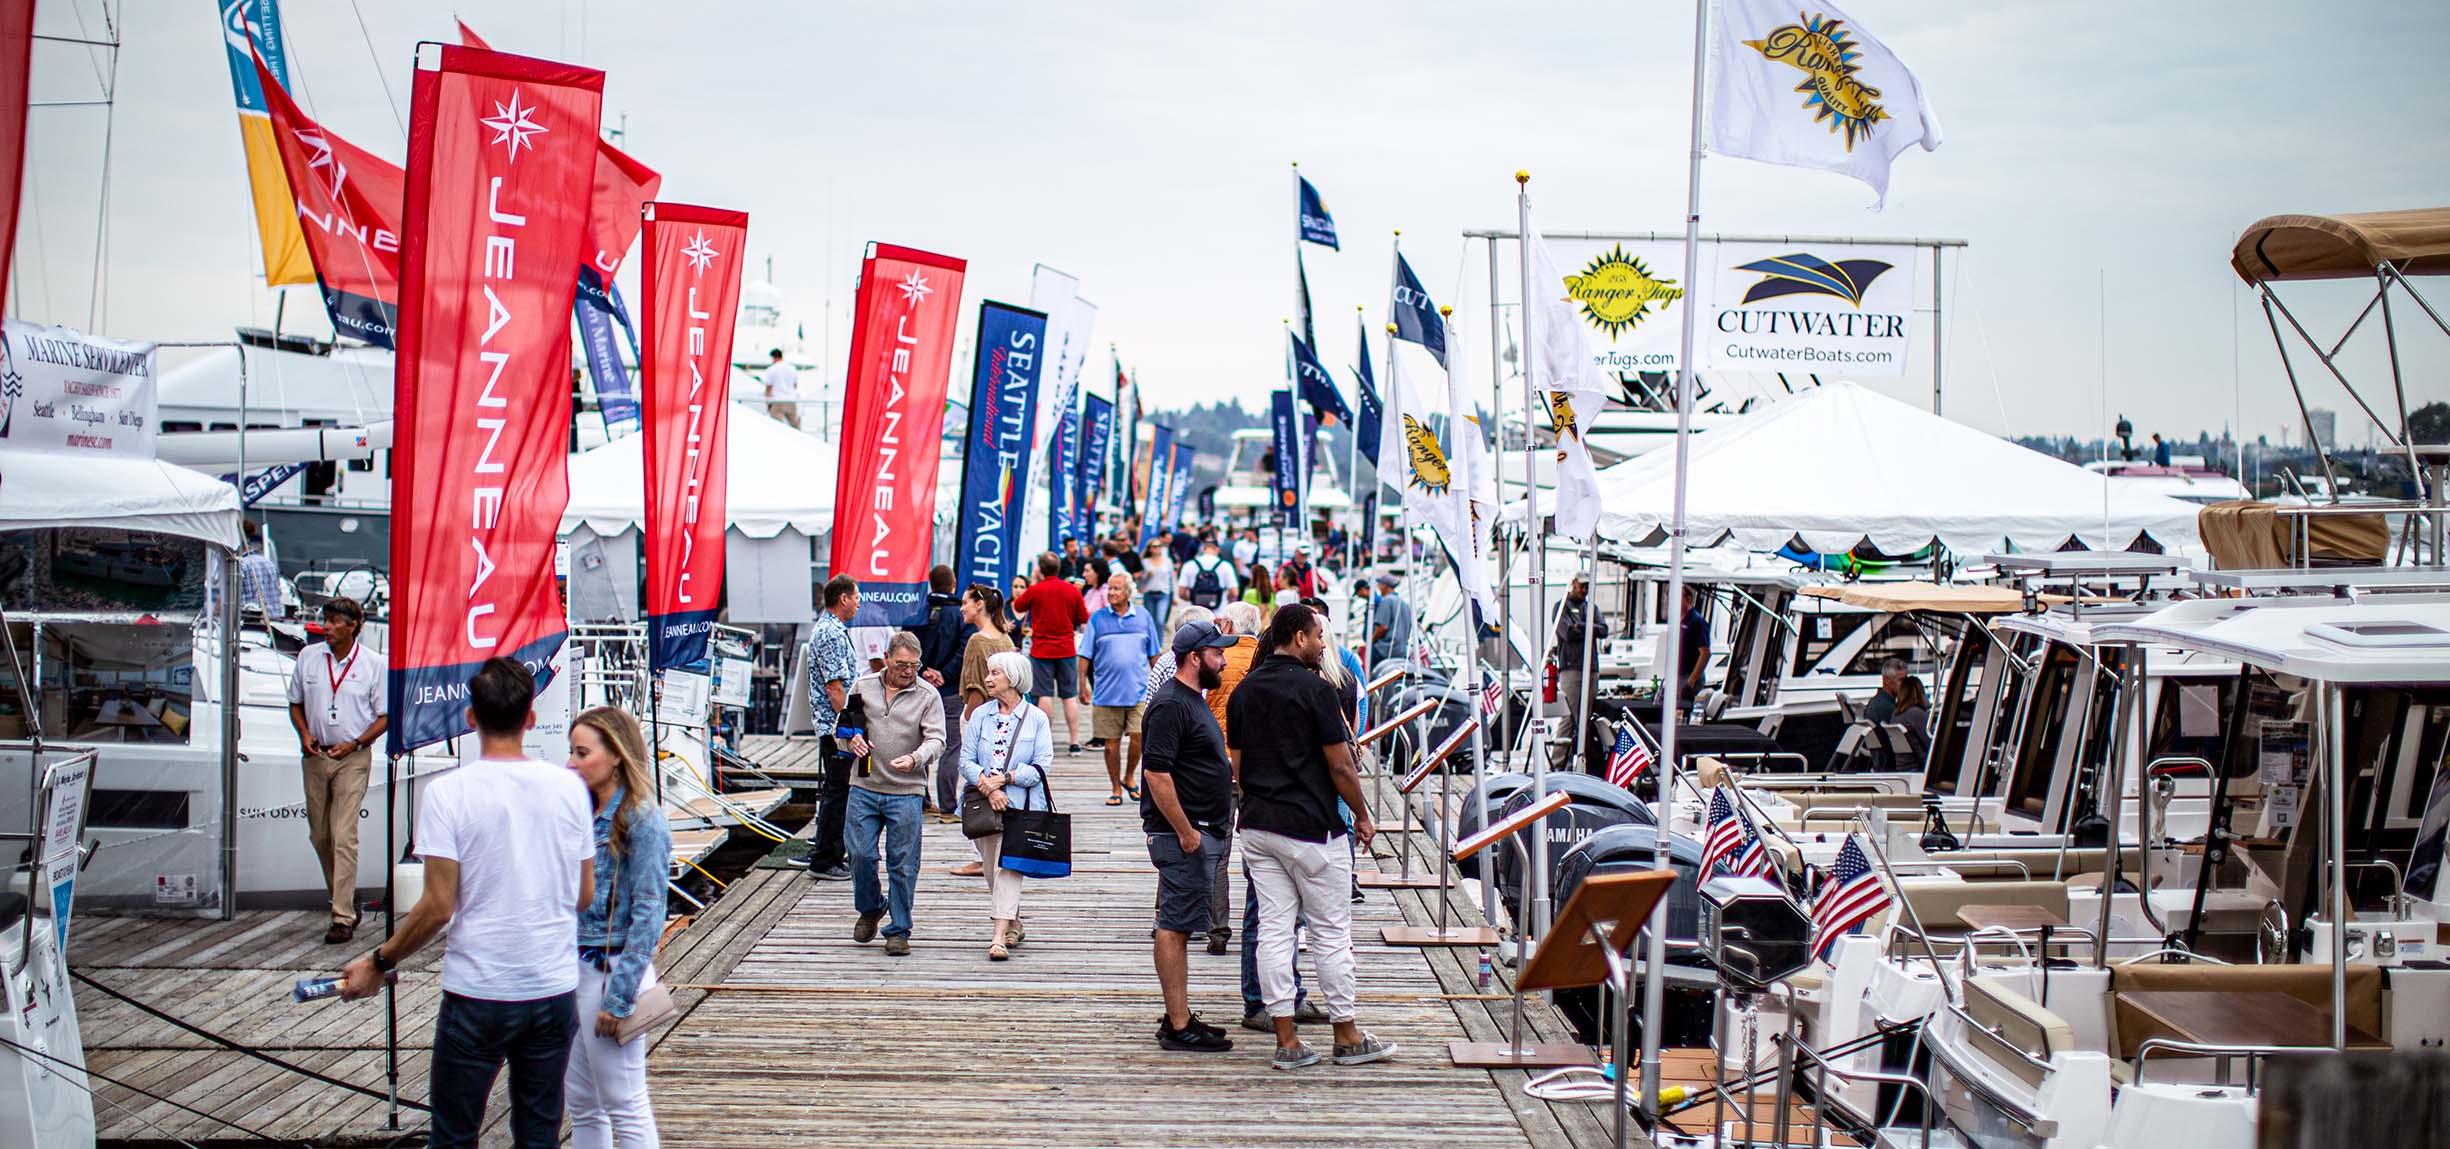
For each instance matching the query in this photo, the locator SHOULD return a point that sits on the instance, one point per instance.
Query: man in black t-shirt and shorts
(1186, 808)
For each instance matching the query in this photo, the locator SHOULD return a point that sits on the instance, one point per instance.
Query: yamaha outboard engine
(1501, 786)
(1631, 848)
(1592, 804)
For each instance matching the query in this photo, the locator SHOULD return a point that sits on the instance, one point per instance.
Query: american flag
(1421, 654)
(1628, 758)
(1492, 696)
(1849, 897)
(1724, 836)
(1754, 859)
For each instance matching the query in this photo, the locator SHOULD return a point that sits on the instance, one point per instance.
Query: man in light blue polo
(1122, 643)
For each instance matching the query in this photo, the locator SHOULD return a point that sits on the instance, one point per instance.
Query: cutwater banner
(1286, 484)
(1161, 455)
(500, 149)
(1096, 442)
(995, 459)
(1766, 307)
(692, 282)
(892, 428)
(67, 392)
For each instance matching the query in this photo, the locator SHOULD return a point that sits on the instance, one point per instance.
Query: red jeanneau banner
(501, 150)
(349, 209)
(16, 73)
(892, 420)
(692, 278)
(622, 185)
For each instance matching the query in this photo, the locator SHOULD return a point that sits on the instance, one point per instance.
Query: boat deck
(792, 1032)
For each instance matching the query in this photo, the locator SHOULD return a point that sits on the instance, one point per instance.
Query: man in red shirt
(1056, 613)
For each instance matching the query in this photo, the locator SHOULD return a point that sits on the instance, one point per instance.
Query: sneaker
(1367, 1050)
(1204, 1027)
(1075, 748)
(1307, 1012)
(864, 930)
(834, 873)
(1259, 1022)
(1097, 744)
(1295, 1056)
(1192, 1038)
(897, 946)
(1216, 942)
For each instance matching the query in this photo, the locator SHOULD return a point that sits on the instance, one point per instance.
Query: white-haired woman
(1006, 747)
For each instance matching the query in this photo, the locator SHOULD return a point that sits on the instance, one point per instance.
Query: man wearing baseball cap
(1186, 809)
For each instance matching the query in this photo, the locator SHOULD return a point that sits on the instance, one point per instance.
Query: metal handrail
(2252, 1054)
(2398, 881)
(1820, 1086)
(1938, 865)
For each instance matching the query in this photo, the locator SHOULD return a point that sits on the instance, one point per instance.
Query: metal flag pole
(1505, 558)
(1535, 925)
(1355, 545)
(1588, 687)
(1654, 985)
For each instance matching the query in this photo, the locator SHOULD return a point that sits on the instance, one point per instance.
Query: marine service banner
(892, 428)
(691, 277)
(70, 393)
(995, 459)
(500, 153)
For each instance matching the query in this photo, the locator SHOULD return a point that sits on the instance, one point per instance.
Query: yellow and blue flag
(256, 24)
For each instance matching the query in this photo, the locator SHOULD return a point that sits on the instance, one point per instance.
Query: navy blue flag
(598, 306)
(1317, 386)
(1301, 302)
(995, 459)
(1416, 315)
(1178, 485)
(1160, 475)
(1317, 226)
(1285, 486)
(1367, 426)
(1097, 433)
(1064, 446)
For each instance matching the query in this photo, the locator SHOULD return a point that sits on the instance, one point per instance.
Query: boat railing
(1823, 1070)
(2221, 1056)
(2398, 884)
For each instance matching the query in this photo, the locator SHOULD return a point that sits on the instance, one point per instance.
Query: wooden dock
(793, 1033)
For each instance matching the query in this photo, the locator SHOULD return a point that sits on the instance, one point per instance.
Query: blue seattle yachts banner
(1096, 441)
(995, 460)
(1286, 484)
(1063, 449)
(1160, 479)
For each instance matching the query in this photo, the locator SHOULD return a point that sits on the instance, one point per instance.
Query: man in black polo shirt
(1186, 808)
(1292, 752)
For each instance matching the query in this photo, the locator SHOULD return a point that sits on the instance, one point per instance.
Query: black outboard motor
(1631, 848)
(1592, 805)
(1501, 786)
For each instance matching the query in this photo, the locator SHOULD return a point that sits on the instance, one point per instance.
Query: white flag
(1563, 370)
(1808, 87)
(1432, 488)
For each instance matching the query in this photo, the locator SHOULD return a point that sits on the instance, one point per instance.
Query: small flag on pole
(1492, 696)
(1628, 758)
(1812, 89)
(1318, 387)
(1316, 225)
(1724, 837)
(1416, 315)
(1850, 896)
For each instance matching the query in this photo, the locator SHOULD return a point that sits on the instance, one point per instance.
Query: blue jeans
(1254, 1001)
(1160, 605)
(896, 818)
(473, 1039)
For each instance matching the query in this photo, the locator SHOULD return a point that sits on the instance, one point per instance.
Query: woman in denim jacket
(1006, 746)
(605, 1087)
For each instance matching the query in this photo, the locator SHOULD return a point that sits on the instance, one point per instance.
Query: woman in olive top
(982, 606)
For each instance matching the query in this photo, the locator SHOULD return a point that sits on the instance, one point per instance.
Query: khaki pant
(786, 412)
(335, 793)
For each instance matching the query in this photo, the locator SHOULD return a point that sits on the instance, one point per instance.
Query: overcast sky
(2100, 159)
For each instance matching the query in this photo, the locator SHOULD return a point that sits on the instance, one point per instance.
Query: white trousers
(1003, 886)
(1312, 880)
(605, 1088)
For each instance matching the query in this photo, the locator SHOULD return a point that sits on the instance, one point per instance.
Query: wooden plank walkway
(806, 1037)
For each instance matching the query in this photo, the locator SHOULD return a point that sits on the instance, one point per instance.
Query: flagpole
(1590, 652)
(1505, 561)
(1535, 925)
(1352, 453)
(1654, 985)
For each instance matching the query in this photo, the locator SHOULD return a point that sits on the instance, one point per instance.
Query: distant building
(2326, 427)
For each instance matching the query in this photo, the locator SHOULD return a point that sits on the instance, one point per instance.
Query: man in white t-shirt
(338, 704)
(509, 850)
(783, 389)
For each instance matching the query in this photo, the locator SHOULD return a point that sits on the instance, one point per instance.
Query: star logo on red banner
(514, 125)
(915, 289)
(699, 253)
(323, 157)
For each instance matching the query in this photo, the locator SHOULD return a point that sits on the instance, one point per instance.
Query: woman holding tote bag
(1006, 747)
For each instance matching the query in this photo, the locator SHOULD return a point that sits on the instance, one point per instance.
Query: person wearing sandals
(1121, 644)
(982, 607)
(1006, 747)
(606, 1082)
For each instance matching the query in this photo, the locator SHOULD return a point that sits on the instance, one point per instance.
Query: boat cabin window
(2186, 717)
(2071, 695)
(1958, 693)
(1899, 636)
(1822, 632)
(117, 682)
(175, 426)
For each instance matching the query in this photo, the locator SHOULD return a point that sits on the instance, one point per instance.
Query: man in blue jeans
(892, 764)
(509, 850)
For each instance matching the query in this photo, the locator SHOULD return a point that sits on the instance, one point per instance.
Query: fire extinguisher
(1548, 680)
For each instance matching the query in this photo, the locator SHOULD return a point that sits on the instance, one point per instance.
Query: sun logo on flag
(1428, 462)
(514, 125)
(1616, 292)
(1822, 49)
(915, 289)
(699, 253)
(1561, 415)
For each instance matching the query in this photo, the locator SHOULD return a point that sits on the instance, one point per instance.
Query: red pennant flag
(500, 153)
(692, 280)
(892, 420)
(622, 185)
(16, 73)
(349, 208)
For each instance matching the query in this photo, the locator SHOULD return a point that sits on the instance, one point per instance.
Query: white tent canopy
(776, 478)
(1841, 465)
(39, 489)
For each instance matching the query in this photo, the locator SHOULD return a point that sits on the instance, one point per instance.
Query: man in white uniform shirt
(783, 390)
(338, 704)
(509, 850)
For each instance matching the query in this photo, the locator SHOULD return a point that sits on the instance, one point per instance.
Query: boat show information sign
(1844, 309)
(692, 277)
(892, 429)
(501, 151)
(67, 392)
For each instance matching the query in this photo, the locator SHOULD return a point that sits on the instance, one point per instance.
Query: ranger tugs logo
(1616, 292)
(1820, 48)
(1428, 462)
(1802, 273)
